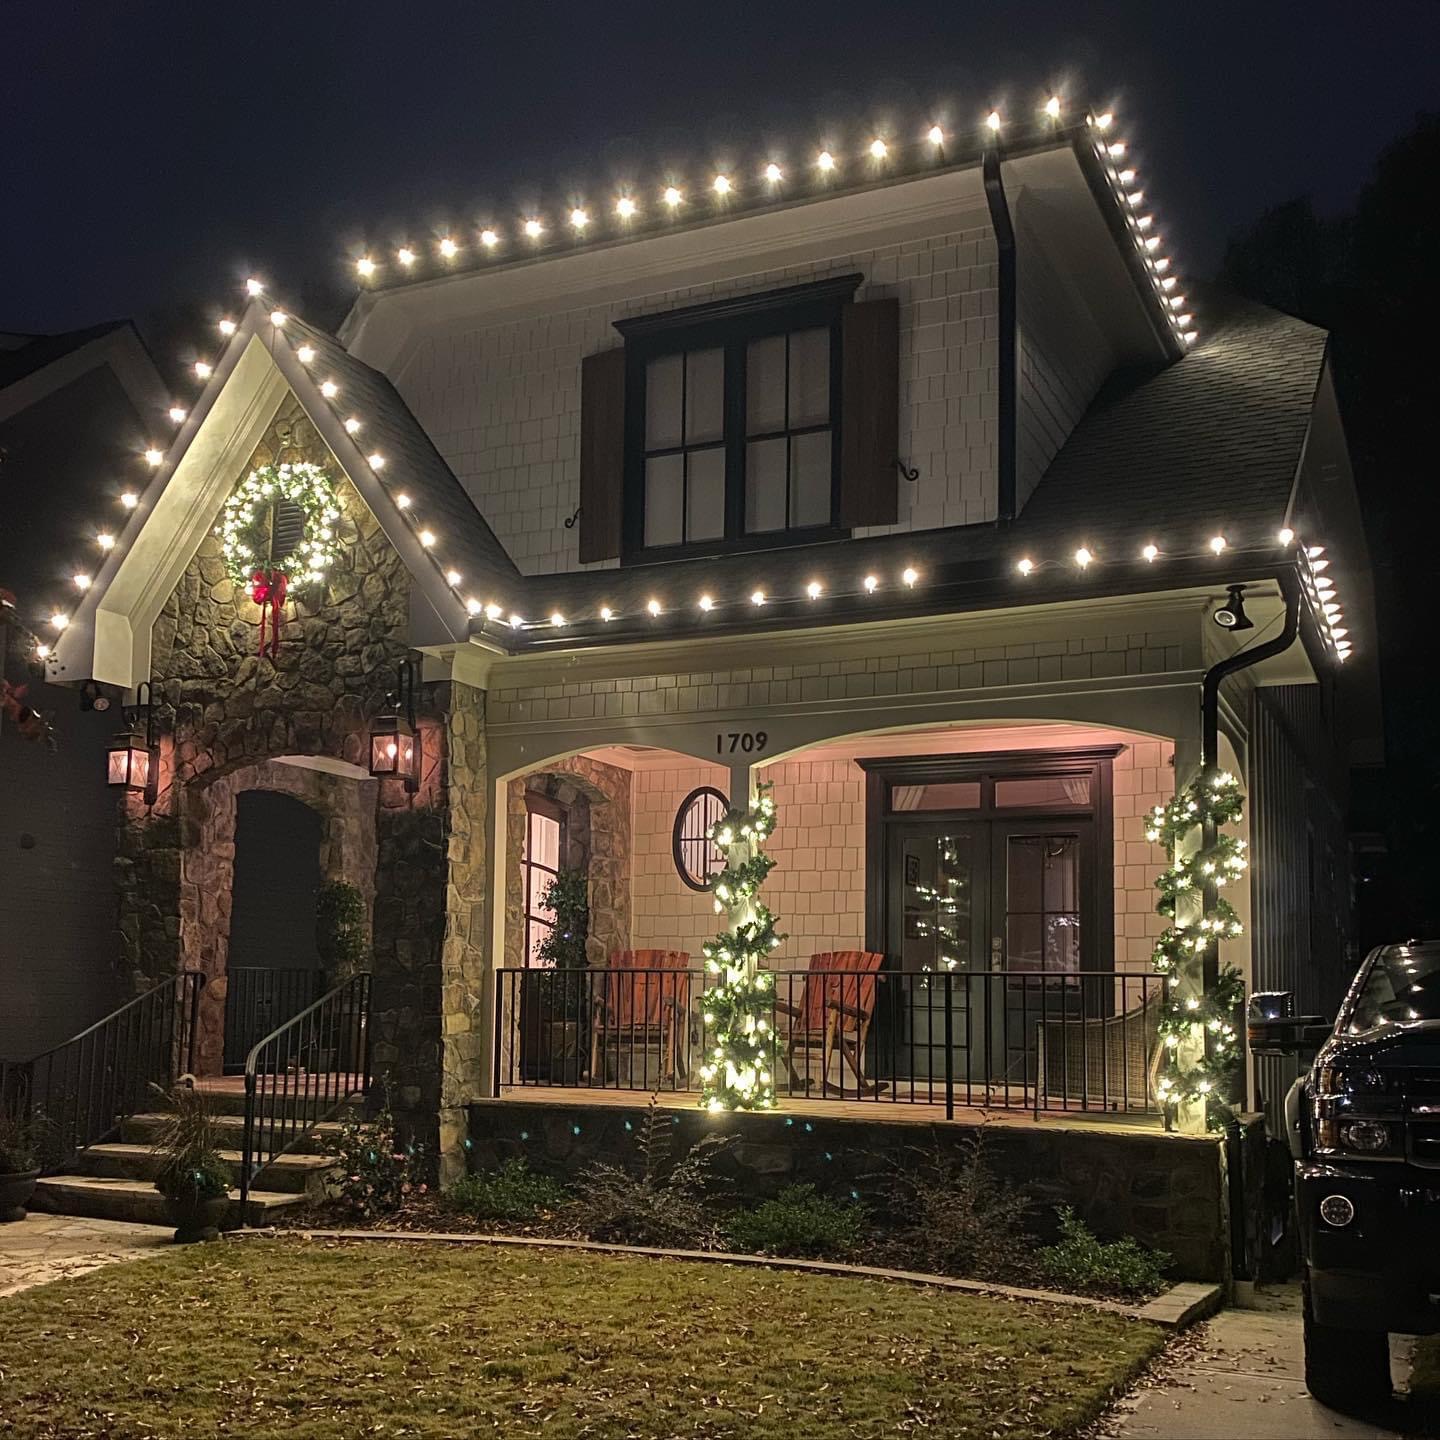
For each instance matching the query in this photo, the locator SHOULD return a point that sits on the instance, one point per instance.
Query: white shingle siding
(502, 401)
(1064, 358)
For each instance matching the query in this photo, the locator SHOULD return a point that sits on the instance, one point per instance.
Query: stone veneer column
(428, 1035)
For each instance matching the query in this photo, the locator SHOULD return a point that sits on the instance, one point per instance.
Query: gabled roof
(34, 352)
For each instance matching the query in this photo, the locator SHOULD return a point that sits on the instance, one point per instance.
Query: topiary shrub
(1082, 1262)
(513, 1192)
(799, 1222)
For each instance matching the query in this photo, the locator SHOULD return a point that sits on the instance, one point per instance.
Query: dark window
(697, 858)
(733, 422)
(539, 865)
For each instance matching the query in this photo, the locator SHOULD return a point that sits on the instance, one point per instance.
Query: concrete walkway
(41, 1248)
(1241, 1377)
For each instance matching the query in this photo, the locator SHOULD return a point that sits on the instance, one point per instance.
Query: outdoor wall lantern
(133, 759)
(394, 743)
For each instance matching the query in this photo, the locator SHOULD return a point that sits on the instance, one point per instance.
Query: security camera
(1231, 615)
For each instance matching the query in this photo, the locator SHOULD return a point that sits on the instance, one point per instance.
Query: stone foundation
(1167, 1191)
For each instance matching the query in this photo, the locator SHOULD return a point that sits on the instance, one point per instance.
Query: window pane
(705, 511)
(765, 385)
(1023, 883)
(765, 486)
(809, 378)
(956, 795)
(662, 402)
(664, 500)
(704, 396)
(810, 479)
(1062, 872)
(1023, 943)
(1046, 790)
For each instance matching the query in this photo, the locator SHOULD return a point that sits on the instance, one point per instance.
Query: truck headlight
(1367, 1136)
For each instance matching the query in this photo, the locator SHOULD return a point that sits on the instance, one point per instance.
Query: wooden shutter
(870, 418)
(602, 454)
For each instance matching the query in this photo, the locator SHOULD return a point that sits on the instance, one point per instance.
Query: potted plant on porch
(19, 1160)
(559, 988)
(192, 1177)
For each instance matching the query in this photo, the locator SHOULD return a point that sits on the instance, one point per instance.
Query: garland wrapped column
(1200, 1061)
(738, 1073)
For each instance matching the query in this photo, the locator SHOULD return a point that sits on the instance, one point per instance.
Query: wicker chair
(641, 1002)
(1106, 1062)
(837, 1003)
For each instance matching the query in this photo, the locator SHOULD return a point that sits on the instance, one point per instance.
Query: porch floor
(1117, 1122)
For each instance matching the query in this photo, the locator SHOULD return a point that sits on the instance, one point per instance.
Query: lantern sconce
(394, 741)
(133, 759)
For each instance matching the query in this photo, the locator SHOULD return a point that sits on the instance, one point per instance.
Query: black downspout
(1009, 332)
(1241, 1260)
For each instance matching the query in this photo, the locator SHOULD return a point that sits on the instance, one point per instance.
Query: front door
(988, 913)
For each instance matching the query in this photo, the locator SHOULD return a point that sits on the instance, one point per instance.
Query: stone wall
(597, 800)
(1167, 1191)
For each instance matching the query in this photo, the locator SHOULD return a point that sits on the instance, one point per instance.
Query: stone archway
(346, 806)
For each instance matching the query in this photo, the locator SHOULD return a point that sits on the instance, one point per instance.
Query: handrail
(285, 1093)
(82, 1088)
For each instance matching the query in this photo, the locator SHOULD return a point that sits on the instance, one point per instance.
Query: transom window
(733, 431)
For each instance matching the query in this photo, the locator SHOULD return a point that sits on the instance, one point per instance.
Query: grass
(319, 1340)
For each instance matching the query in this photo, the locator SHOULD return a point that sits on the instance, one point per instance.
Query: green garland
(1213, 799)
(244, 521)
(738, 1074)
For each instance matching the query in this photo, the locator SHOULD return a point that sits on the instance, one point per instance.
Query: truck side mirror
(1287, 1034)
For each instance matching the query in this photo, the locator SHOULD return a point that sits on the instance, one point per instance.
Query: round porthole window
(697, 858)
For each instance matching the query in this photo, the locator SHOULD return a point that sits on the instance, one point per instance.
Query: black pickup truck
(1364, 1130)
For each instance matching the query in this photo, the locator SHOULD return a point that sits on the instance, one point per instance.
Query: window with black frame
(733, 418)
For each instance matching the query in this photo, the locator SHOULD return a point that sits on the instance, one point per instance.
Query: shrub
(188, 1143)
(799, 1222)
(662, 1203)
(19, 1140)
(513, 1192)
(1082, 1262)
(957, 1217)
(376, 1170)
(340, 930)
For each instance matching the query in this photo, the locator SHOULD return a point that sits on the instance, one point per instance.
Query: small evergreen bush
(663, 1203)
(799, 1222)
(513, 1192)
(1084, 1263)
(340, 930)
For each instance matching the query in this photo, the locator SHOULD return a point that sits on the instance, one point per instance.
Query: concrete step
(289, 1174)
(316, 1139)
(231, 1101)
(138, 1200)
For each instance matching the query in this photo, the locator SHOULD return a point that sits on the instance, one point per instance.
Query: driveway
(1241, 1377)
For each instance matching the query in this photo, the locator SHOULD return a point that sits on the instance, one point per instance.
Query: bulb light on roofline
(472, 605)
(405, 255)
(557, 619)
(872, 583)
(82, 581)
(154, 456)
(672, 196)
(1052, 107)
(402, 501)
(1025, 566)
(254, 287)
(493, 611)
(910, 575)
(376, 461)
(625, 207)
(177, 413)
(993, 121)
(227, 326)
(329, 389)
(878, 149)
(606, 613)
(534, 229)
(203, 369)
(305, 354)
(452, 577)
(427, 538)
(489, 239)
(704, 602)
(448, 248)
(757, 597)
(654, 608)
(773, 173)
(105, 540)
(59, 619)
(825, 161)
(278, 318)
(1083, 557)
(936, 135)
(721, 184)
(814, 589)
(1151, 553)
(579, 218)
(129, 499)
(352, 424)
(1286, 536)
(365, 267)
(1217, 543)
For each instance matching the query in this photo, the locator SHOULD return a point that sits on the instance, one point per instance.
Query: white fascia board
(121, 350)
(380, 324)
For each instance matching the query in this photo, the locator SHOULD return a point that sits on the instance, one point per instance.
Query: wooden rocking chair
(836, 1005)
(642, 1000)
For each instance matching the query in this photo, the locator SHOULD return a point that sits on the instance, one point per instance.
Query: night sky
(157, 153)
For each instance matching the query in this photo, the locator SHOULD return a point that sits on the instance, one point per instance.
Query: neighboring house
(72, 409)
(910, 489)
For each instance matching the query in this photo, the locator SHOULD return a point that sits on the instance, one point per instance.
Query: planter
(16, 1188)
(196, 1220)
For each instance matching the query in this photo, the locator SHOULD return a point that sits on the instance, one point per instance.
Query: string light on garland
(738, 1069)
(1202, 1020)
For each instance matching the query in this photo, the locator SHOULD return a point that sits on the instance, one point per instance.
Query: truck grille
(1422, 1109)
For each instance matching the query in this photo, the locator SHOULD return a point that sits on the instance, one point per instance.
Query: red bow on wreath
(267, 590)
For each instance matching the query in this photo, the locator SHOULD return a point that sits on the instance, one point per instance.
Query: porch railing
(302, 1073)
(77, 1093)
(1053, 1041)
(257, 999)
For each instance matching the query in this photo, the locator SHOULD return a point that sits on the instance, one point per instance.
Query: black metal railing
(77, 1093)
(1052, 1041)
(301, 1073)
(259, 999)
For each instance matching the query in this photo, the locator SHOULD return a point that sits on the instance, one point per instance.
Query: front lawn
(321, 1340)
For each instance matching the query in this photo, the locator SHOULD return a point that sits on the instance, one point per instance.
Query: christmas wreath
(246, 528)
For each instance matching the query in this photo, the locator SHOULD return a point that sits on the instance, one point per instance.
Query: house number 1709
(727, 742)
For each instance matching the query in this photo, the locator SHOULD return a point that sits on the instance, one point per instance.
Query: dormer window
(753, 421)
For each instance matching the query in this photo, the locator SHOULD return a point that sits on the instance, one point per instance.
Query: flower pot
(16, 1188)
(196, 1220)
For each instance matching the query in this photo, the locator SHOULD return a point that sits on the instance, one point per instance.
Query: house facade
(913, 489)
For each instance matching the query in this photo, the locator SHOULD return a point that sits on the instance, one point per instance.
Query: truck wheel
(1345, 1368)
